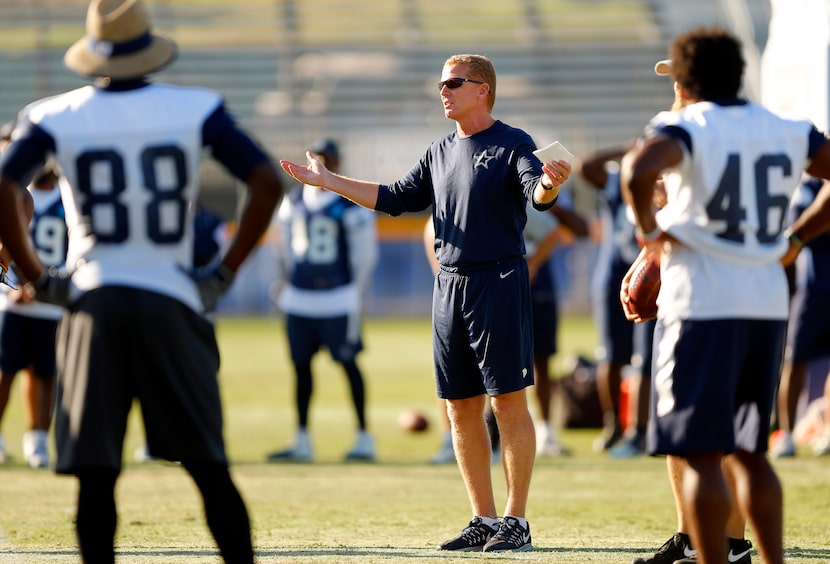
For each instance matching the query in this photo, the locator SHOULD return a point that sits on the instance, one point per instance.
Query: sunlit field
(583, 508)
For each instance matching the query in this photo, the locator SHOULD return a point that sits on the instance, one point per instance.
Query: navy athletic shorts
(27, 341)
(713, 385)
(545, 313)
(808, 335)
(307, 335)
(482, 330)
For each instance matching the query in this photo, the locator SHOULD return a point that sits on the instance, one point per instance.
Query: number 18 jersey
(129, 164)
(727, 205)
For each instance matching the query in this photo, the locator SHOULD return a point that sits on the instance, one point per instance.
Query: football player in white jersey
(329, 251)
(128, 152)
(730, 168)
(27, 334)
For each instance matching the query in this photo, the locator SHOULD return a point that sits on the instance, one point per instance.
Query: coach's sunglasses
(453, 83)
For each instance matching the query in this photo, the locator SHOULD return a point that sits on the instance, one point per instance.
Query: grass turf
(584, 508)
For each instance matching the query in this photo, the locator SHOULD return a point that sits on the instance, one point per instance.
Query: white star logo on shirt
(483, 159)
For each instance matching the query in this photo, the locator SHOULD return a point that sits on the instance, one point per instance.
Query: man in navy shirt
(478, 180)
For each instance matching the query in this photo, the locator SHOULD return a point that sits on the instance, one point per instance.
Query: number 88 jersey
(129, 161)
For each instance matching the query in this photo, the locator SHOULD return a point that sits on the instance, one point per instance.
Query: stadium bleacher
(365, 72)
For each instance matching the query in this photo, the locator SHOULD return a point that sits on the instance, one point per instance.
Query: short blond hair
(480, 68)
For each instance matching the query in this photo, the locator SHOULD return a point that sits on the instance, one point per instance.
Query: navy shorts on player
(340, 335)
(472, 311)
(545, 312)
(27, 341)
(808, 335)
(713, 390)
(117, 344)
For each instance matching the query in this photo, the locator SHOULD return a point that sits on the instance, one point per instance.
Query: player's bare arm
(16, 210)
(641, 169)
(316, 174)
(816, 218)
(265, 189)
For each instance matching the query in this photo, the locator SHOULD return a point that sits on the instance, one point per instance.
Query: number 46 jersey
(727, 204)
(129, 165)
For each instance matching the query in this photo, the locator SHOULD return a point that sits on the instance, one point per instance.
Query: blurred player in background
(734, 166)
(543, 234)
(27, 335)
(27, 330)
(478, 181)
(622, 342)
(128, 152)
(329, 250)
(808, 334)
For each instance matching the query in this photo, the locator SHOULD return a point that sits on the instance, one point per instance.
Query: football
(644, 286)
(412, 421)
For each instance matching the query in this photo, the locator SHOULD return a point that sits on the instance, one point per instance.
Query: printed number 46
(726, 203)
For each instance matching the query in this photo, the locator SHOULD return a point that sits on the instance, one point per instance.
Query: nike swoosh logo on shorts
(732, 557)
(504, 275)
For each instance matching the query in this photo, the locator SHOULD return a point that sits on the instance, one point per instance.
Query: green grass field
(584, 508)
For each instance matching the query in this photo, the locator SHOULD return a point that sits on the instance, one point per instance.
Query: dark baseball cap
(327, 148)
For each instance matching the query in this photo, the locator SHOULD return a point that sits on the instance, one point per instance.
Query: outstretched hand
(314, 174)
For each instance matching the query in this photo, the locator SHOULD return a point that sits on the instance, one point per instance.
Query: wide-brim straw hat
(118, 42)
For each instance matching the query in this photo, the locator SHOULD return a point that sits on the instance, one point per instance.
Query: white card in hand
(554, 152)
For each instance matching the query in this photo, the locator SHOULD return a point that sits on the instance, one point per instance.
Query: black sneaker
(511, 537)
(676, 548)
(472, 538)
(739, 550)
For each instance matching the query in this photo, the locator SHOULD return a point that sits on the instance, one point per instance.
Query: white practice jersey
(329, 250)
(129, 166)
(727, 205)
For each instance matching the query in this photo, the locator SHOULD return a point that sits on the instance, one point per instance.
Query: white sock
(492, 522)
(522, 521)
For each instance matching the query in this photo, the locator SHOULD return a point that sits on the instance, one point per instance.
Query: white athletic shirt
(137, 153)
(727, 204)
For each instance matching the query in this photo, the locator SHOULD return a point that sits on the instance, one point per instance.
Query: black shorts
(27, 341)
(482, 331)
(117, 344)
